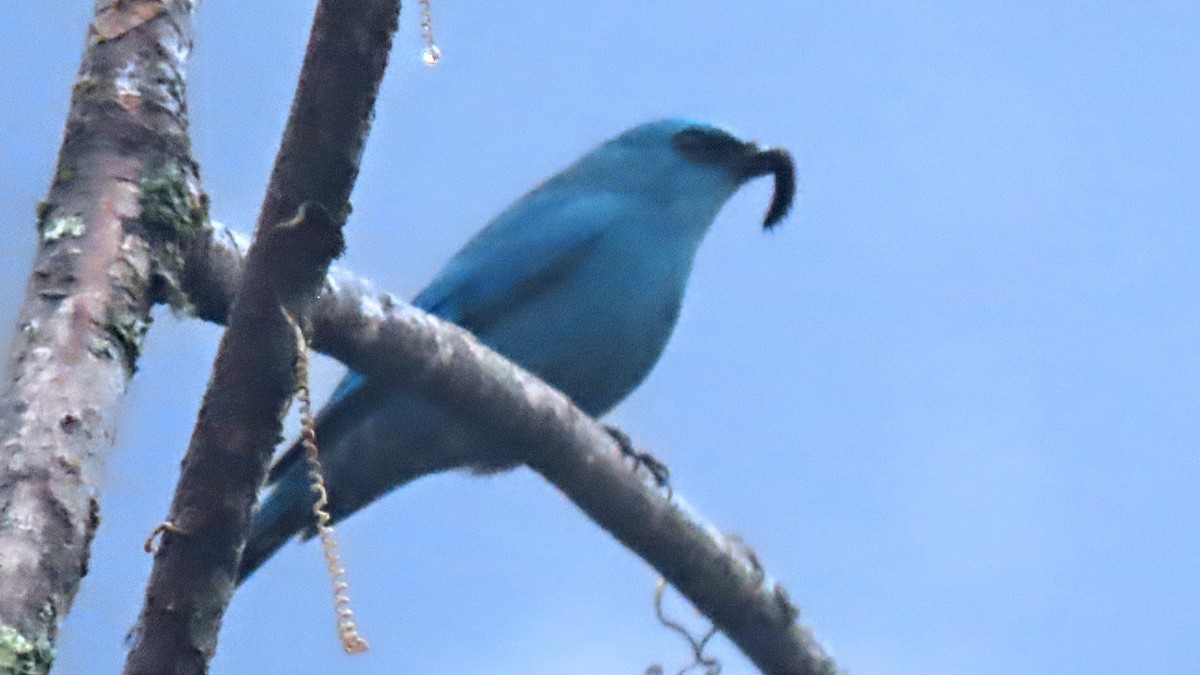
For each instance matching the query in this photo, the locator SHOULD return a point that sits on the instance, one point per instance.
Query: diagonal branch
(124, 203)
(385, 338)
(253, 378)
(240, 419)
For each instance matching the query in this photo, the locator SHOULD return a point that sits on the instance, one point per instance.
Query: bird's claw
(657, 468)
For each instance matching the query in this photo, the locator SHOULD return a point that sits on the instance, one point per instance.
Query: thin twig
(711, 665)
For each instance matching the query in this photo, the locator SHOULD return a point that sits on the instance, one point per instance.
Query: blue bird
(580, 282)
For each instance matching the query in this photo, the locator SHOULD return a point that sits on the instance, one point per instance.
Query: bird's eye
(706, 146)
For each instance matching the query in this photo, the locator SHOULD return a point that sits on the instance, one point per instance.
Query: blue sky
(952, 401)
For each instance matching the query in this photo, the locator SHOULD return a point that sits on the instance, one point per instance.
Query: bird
(580, 281)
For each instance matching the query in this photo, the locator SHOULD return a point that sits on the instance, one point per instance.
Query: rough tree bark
(123, 206)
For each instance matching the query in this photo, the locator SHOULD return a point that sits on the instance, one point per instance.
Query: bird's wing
(339, 414)
(525, 251)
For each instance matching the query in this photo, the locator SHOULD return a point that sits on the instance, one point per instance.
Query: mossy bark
(99, 268)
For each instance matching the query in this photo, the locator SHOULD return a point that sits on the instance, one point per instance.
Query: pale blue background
(953, 402)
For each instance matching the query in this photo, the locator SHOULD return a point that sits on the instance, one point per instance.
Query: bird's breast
(596, 333)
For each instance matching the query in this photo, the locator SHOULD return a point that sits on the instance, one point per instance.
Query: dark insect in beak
(744, 161)
(778, 162)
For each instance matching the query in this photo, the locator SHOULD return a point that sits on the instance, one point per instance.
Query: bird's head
(692, 164)
(706, 145)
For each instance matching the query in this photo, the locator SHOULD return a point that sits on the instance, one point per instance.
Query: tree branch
(239, 422)
(123, 205)
(384, 338)
(253, 378)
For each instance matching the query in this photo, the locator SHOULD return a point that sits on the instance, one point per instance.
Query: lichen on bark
(21, 656)
(173, 218)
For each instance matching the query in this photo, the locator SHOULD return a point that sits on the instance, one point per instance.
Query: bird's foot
(657, 468)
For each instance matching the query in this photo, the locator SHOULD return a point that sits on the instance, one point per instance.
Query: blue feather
(580, 282)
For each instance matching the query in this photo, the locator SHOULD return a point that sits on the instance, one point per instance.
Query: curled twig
(165, 527)
(710, 664)
(352, 642)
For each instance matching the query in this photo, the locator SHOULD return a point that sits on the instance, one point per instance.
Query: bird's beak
(778, 162)
(743, 160)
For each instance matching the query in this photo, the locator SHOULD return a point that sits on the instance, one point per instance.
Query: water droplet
(431, 55)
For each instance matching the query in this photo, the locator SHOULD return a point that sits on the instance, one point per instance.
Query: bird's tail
(284, 513)
(288, 509)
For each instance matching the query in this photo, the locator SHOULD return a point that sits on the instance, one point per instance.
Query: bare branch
(384, 338)
(124, 203)
(253, 378)
(331, 114)
(240, 420)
